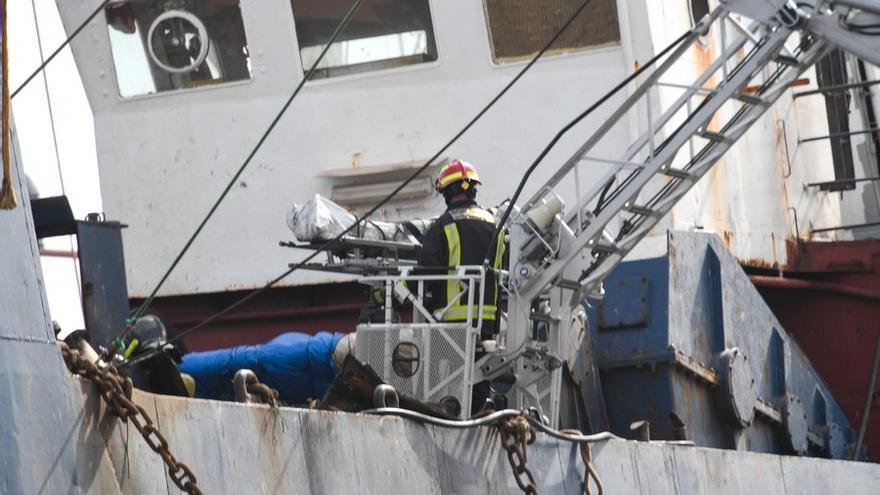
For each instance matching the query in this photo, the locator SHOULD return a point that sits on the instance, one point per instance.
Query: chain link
(589, 469)
(116, 390)
(267, 394)
(516, 435)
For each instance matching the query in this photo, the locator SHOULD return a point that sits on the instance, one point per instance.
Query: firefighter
(462, 236)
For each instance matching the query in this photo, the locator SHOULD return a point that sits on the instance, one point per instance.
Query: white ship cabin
(182, 90)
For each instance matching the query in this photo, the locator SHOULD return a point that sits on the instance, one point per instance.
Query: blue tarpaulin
(298, 365)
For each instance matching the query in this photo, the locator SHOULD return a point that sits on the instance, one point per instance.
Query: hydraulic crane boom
(568, 257)
(558, 257)
(610, 219)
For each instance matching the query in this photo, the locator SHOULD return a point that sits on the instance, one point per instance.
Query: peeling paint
(758, 263)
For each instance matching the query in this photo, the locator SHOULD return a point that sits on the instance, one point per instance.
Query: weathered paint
(835, 257)
(402, 116)
(57, 436)
(48, 440)
(755, 198)
(241, 448)
(829, 299)
(102, 273)
(163, 185)
(660, 335)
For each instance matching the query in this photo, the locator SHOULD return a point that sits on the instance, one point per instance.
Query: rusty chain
(516, 434)
(267, 394)
(589, 469)
(116, 391)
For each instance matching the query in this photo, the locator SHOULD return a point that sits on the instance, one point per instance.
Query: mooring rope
(7, 193)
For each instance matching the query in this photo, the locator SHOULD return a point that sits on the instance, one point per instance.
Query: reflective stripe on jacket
(462, 236)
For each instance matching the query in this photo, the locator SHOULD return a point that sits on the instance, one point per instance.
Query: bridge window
(518, 29)
(382, 34)
(158, 49)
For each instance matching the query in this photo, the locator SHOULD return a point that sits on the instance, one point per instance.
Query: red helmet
(454, 172)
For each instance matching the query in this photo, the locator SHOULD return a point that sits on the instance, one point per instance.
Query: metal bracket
(764, 408)
(528, 364)
(832, 184)
(839, 134)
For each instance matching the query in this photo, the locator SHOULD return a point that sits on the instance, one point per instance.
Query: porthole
(405, 359)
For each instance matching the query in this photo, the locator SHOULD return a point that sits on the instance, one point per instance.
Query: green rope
(342, 25)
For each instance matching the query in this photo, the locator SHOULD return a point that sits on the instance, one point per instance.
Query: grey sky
(75, 137)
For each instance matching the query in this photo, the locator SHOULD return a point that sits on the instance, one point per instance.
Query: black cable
(393, 193)
(864, 29)
(568, 127)
(58, 50)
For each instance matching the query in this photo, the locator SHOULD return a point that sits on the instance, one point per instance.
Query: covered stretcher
(298, 365)
(320, 219)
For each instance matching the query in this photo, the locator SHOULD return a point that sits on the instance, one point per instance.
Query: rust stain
(704, 55)
(784, 165)
(773, 249)
(716, 203)
(727, 237)
(793, 251)
(716, 197)
(803, 81)
(836, 256)
(758, 263)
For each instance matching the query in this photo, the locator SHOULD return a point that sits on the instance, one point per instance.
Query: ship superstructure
(692, 313)
(360, 126)
(378, 108)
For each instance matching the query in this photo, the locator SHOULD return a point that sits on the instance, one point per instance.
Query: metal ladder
(751, 71)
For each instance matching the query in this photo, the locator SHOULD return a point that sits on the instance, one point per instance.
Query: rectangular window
(520, 28)
(831, 71)
(382, 34)
(158, 49)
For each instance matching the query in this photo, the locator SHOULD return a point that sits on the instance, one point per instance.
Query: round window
(178, 41)
(405, 359)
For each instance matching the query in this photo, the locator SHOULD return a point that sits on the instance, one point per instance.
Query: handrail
(400, 286)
